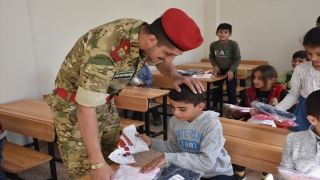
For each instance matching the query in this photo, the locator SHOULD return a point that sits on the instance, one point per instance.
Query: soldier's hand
(192, 83)
(103, 173)
(145, 138)
(153, 164)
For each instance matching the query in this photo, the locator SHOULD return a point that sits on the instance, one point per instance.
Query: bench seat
(19, 158)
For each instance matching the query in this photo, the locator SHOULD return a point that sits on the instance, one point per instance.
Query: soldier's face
(162, 53)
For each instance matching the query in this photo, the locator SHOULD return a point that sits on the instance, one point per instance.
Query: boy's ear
(201, 105)
(230, 34)
(312, 120)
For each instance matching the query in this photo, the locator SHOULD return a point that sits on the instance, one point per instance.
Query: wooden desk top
(157, 74)
(28, 108)
(148, 93)
(207, 66)
(39, 110)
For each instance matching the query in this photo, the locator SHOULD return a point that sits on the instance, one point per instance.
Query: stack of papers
(204, 74)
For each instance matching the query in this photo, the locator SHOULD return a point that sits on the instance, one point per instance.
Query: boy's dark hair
(318, 20)
(225, 26)
(186, 95)
(313, 104)
(312, 38)
(156, 29)
(267, 72)
(300, 54)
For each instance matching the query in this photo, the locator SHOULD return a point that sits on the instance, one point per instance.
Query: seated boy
(297, 58)
(301, 151)
(196, 141)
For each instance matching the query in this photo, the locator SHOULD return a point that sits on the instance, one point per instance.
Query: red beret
(181, 29)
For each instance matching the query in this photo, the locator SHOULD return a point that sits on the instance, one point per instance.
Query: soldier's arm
(89, 131)
(95, 77)
(90, 135)
(168, 70)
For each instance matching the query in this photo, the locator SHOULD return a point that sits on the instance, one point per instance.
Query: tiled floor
(43, 171)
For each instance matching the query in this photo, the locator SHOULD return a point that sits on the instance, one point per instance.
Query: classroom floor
(43, 171)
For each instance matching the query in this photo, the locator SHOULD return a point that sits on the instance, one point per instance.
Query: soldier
(100, 64)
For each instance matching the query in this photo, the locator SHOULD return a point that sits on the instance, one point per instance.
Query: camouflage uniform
(101, 63)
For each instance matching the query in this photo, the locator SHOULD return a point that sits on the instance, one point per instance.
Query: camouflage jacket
(102, 62)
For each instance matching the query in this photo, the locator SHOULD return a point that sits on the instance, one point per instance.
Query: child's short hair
(225, 26)
(312, 38)
(300, 54)
(313, 104)
(318, 20)
(267, 72)
(186, 95)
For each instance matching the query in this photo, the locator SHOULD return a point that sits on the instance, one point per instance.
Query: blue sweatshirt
(145, 76)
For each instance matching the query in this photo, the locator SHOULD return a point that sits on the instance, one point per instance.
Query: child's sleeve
(171, 146)
(212, 56)
(236, 56)
(294, 94)
(286, 160)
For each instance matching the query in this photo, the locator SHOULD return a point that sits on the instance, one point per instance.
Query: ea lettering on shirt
(219, 53)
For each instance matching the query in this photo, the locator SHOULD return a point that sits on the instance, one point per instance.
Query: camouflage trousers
(71, 146)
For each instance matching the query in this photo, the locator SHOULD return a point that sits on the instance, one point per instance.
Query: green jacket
(283, 79)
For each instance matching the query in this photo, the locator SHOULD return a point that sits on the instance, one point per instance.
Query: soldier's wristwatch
(97, 166)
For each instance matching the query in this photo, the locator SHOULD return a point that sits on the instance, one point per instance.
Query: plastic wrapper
(189, 72)
(174, 172)
(261, 112)
(263, 122)
(233, 108)
(128, 144)
(132, 172)
(290, 174)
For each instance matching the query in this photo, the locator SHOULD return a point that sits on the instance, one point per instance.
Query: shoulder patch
(123, 49)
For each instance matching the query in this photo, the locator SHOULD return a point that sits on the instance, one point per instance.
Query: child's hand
(229, 75)
(145, 138)
(216, 70)
(153, 164)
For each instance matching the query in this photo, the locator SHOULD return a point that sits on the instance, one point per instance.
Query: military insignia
(123, 75)
(123, 49)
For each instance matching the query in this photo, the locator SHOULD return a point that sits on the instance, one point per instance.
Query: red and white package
(262, 112)
(128, 144)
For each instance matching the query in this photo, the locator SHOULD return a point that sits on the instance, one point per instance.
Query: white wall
(267, 29)
(36, 35)
(18, 73)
